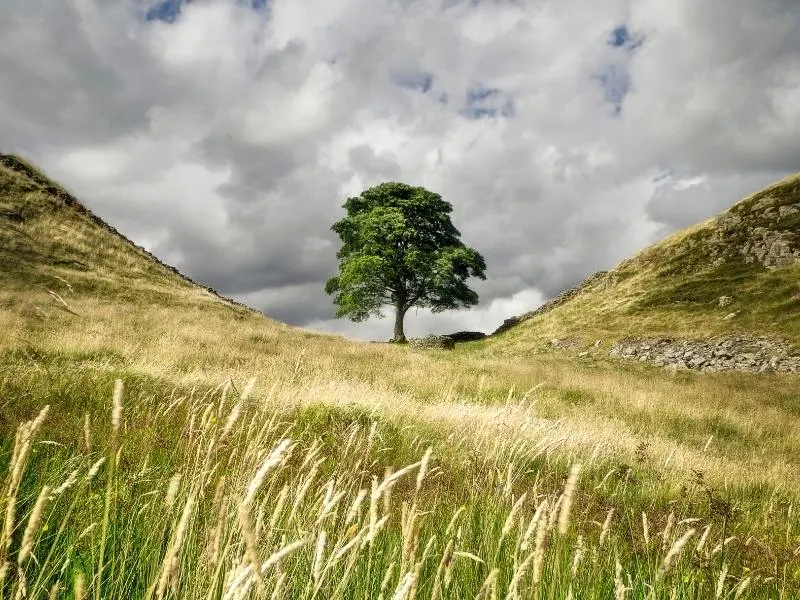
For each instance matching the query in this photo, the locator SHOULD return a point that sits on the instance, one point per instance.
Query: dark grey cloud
(567, 135)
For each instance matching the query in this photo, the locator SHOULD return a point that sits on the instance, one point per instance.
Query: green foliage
(399, 247)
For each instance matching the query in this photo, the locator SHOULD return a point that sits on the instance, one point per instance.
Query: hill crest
(21, 181)
(737, 273)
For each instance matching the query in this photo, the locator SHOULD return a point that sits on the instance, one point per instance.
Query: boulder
(440, 342)
(738, 353)
(466, 336)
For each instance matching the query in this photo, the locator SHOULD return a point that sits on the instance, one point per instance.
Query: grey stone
(725, 353)
(603, 278)
(440, 342)
(466, 336)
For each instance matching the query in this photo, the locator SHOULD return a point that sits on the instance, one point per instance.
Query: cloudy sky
(224, 135)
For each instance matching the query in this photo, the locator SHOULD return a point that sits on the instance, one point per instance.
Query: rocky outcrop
(440, 342)
(723, 353)
(466, 336)
(764, 229)
(562, 298)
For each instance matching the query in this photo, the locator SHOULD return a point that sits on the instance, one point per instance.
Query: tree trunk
(399, 335)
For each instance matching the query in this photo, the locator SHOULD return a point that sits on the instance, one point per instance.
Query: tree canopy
(400, 248)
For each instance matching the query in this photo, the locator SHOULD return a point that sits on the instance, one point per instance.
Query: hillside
(158, 441)
(734, 276)
(47, 235)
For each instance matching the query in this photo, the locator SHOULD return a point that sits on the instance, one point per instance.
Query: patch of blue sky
(621, 37)
(484, 102)
(616, 83)
(168, 11)
(420, 82)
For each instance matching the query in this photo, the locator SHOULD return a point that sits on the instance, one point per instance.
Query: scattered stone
(723, 353)
(597, 343)
(440, 342)
(725, 301)
(730, 316)
(565, 343)
(584, 353)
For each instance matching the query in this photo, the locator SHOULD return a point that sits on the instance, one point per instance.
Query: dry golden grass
(674, 414)
(647, 439)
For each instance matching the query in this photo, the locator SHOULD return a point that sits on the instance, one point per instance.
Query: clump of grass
(255, 505)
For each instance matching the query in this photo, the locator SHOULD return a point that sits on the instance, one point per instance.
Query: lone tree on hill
(400, 248)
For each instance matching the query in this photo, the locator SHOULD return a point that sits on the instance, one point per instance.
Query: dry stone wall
(723, 353)
(562, 298)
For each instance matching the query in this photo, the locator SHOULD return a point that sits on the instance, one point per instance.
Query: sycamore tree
(400, 249)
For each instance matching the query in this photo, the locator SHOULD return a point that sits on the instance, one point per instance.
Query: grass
(334, 503)
(187, 502)
(672, 288)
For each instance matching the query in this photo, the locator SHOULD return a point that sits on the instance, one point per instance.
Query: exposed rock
(563, 297)
(758, 230)
(730, 316)
(724, 301)
(724, 353)
(441, 342)
(466, 336)
(564, 344)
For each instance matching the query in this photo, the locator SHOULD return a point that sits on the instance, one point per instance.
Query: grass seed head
(674, 552)
(34, 521)
(740, 589)
(93, 470)
(172, 490)
(721, 581)
(569, 493)
(667, 533)
(539, 547)
(619, 586)
(272, 461)
(79, 587)
(512, 516)
(116, 411)
(606, 528)
(702, 542)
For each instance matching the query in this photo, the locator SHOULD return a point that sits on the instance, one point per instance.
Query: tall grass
(367, 470)
(256, 503)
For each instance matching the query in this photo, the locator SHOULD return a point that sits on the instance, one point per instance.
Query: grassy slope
(672, 288)
(641, 433)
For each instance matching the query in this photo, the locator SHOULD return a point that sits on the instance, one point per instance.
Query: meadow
(159, 442)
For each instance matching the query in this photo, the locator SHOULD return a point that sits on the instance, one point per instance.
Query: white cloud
(228, 139)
